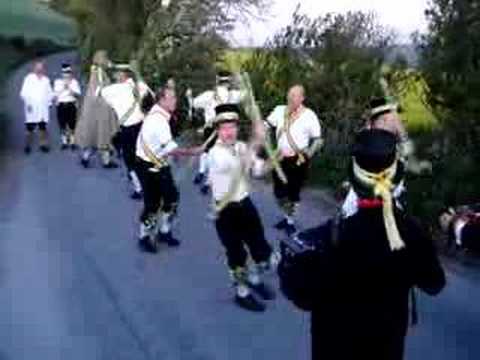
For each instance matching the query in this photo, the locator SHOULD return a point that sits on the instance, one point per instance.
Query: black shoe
(45, 148)
(264, 291)
(110, 165)
(168, 239)
(250, 303)
(85, 163)
(136, 195)
(198, 178)
(73, 147)
(281, 225)
(64, 147)
(147, 245)
(205, 189)
(27, 149)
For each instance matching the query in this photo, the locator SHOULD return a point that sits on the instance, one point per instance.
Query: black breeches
(128, 142)
(32, 126)
(239, 228)
(159, 190)
(67, 116)
(471, 236)
(296, 176)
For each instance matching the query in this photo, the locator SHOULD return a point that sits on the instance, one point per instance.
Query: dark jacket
(358, 289)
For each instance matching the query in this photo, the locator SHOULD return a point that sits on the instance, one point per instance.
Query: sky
(404, 16)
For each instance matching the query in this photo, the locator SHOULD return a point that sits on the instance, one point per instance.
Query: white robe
(37, 95)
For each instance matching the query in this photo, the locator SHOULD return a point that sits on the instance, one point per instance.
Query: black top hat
(227, 113)
(224, 76)
(379, 106)
(375, 150)
(66, 68)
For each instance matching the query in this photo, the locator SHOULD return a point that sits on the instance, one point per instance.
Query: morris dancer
(67, 92)
(298, 134)
(37, 96)
(126, 98)
(362, 270)
(154, 146)
(238, 224)
(208, 101)
(97, 123)
(382, 114)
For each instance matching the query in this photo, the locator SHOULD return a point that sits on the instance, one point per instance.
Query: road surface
(74, 286)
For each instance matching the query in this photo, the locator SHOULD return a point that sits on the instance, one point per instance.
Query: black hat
(66, 68)
(227, 113)
(375, 150)
(224, 76)
(380, 106)
(375, 168)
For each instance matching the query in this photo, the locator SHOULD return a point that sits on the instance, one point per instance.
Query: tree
(450, 63)
(451, 67)
(339, 59)
(150, 30)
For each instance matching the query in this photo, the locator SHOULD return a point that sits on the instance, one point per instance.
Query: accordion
(304, 257)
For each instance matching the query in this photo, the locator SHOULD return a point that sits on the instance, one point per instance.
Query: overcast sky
(404, 16)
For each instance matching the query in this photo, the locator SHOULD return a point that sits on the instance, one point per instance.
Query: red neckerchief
(369, 203)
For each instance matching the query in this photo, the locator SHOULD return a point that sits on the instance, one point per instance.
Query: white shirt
(156, 134)
(37, 96)
(224, 166)
(305, 128)
(350, 204)
(121, 98)
(66, 92)
(210, 99)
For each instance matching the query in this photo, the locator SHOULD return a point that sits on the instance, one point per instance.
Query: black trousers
(471, 236)
(67, 115)
(32, 126)
(239, 228)
(159, 189)
(296, 176)
(128, 143)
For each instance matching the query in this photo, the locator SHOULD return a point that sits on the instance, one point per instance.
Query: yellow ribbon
(158, 162)
(382, 186)
(289, 120)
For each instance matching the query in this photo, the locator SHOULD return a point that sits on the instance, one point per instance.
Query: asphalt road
(74, 286)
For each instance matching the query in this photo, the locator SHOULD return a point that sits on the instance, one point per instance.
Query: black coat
(358, 289)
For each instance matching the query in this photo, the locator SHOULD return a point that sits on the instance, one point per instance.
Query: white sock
(202, 167)
(64, 139)
(165, 223)
(105, 156)
(86, 154)
(254, 278)
(290, 220)
(144, 231)
(242, 290)
(275, 259)
(137, 187)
